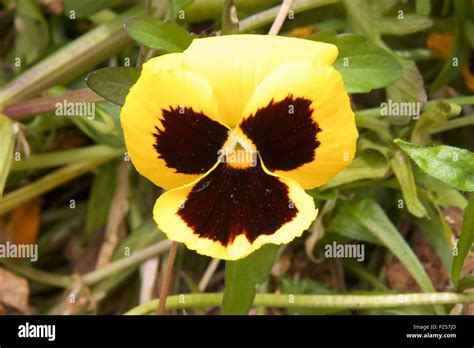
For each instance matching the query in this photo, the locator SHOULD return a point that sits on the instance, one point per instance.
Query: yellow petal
(170, 123)
(300, 120)
(235, 64)
(232, 211)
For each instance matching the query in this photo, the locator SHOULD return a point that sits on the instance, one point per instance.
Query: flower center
(238, 153)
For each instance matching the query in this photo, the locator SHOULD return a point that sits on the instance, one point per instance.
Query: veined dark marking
(284, 133)
(189, 140)
(233, 201)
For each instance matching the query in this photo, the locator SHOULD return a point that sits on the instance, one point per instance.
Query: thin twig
(210, 270)
(280, 18)
(118, 212)
(24, 109)
(166, 282)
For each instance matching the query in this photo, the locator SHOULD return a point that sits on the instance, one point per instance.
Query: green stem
(313, 301)
(50, 181)
(455, 123)
(465, 100)
(466, 283)
(267, 16)
(60, 158)
(357, 269)
(39, 276)
(230, 22)
(127, 262)
(36, 106)
(93, 277)
(70, 61)
(419, 54)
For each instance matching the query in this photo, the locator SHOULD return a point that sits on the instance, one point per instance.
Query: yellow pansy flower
(236, 128)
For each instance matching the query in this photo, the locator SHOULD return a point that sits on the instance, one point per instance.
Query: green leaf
(434, 230)
(423, 7)
(345, 225)
(100, 197)
(113, 83)
(408, 24)
(32, 37)
(242, 277)
(84, 8)
(363, 66)
(104, 126)
(460, 50)
(433, 116)
(7, 141)
(157, 34)
(366, 165)
(449, 164)
(367, 17)
(410, 88)
(402, 168)
(465, 240)
(366, 142)
(442, 194)
(174, 7)
(369, 214)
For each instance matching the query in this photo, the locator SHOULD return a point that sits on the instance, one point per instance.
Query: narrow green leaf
(449, 164)
(71, 60)
(368, 213)
(460, 52)
(175, 10)
(362, 65)
(433, 116)
(366, 142)
(157, 34)
(368, 164)
(433, 229)
(84, 8)
(465, 240)
(403, 24)
(402, 168)
(423, 7)
(242, 277)
(7, 141)
(343, 223)
(466, 283)
(442, 194)
(32, 36)
(100, 197)
(113, 83)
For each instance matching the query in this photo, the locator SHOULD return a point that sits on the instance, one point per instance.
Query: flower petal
(301, 122)
(236, 64)
(170, 124)
(232, 211)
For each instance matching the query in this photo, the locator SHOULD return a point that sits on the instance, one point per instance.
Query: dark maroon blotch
(284, 133)
(233, 201)
(189, 141)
